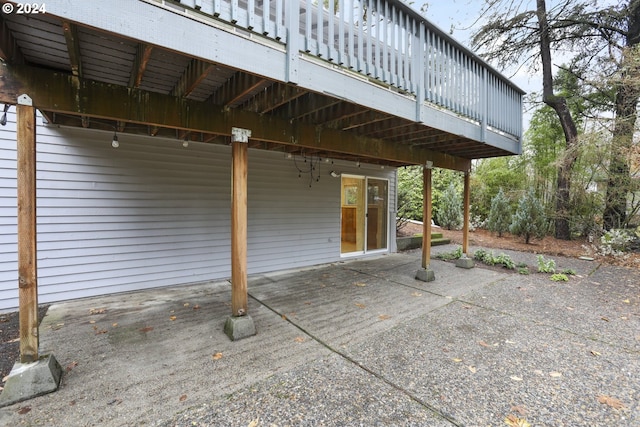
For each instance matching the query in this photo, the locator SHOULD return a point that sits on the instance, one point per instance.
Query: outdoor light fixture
(334, 174)
(358, 163)
(3, 119)
(114, 142)
(185, 143)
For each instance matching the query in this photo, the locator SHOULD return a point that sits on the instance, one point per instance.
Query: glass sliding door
(377, 197)
(364, 214)
(353, 214)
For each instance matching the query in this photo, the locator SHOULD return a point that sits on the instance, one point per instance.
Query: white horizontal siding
(153, 213)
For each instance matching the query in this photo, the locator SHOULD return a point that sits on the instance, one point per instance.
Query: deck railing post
(484, 105)
(292, 19)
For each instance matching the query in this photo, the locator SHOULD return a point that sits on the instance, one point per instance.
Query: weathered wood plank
(63, 93)
(27, 257)
(426, 217)
(467, 202)
(239, 301)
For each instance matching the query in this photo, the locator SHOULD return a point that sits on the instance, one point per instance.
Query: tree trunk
(619, 182)
(559, 105)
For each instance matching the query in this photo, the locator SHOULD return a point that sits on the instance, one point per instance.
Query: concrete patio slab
(353, 343)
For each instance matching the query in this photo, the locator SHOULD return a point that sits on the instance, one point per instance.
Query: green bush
(546, 265)
(449, 256)
(489, 258)
(559, 277)
(529, 219)
(450, 213)
(500, 214)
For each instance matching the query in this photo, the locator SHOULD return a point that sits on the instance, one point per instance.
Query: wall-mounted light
(114, 142)
(358, 163)
(334, 174)
(3, 119)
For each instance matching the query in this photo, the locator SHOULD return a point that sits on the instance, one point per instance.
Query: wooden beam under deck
(63, 93)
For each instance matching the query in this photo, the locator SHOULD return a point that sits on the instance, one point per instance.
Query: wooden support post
(426, 216)
(426, 274)
(27, 252)
(239, 142)
(465, 225)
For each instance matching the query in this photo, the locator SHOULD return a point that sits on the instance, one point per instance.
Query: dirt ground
(549, 245)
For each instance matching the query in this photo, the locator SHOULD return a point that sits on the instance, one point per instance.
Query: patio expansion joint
(361, 366)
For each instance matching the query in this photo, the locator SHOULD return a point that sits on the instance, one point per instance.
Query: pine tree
(450, 212)
(500, 214)
(529, 218)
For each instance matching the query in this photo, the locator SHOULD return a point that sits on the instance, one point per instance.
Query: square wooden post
(425, 273)
(33, 375)
(465, 261)
(467, 203)
(240, 324)
(27, 247)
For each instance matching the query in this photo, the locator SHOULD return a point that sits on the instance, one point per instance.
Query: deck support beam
(239, 325)
(32, 375)
(69, 95)
(465, 261)
(426, 274)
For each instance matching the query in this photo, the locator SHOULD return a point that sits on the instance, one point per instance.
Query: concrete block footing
(240, 327)
(426, 275)
(29, 380)
(465, 262)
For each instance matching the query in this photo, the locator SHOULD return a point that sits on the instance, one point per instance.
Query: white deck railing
(387, 41)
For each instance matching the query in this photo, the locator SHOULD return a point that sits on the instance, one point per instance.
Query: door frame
(364, 251)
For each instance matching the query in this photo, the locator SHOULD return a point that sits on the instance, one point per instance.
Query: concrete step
(405, 243)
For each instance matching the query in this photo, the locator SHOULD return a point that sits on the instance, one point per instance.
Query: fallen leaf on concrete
(284, 317)
(513, 377)
(359, 305)
(360, 284)
(384, 317)
(484, 344)
(172, 318)
(147, 329)
(114, 325)
(626, 301)
(570, 308)
(416, 294)
(605, 319)
(186, 304)
(217, 356)
(92, 322)
(71, 365)
(254, 423)
(514, 421)
(196, 307)
(183, 398)
(97, 310)
(611, 401)
(595, 353)
(555, 374)
(101, 331)
(299, 339)
(519, 409)
(457, 360)
(473, 369)
(4, 380)
(24, 410)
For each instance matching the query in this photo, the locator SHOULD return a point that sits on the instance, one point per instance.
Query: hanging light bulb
(114, 142)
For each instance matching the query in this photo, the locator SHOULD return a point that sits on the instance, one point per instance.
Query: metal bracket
(25, 99)
(428, 164)
(240, 135)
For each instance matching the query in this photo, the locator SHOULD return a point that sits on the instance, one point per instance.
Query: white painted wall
(153, 213)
